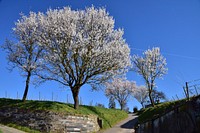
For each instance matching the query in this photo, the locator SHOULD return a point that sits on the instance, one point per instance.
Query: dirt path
(6, 129)
(125, 126)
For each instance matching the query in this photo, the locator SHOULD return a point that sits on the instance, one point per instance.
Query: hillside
(182, 116)
(109, 116)
(152, 112)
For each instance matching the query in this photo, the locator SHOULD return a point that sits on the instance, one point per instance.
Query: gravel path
(6, 129)
(125, 126)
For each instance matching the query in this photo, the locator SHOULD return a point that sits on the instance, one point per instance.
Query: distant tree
(135, 110)
(157, 96)
(141, 95)
(91, 103)
(112, 104)
(151, 66)
(81, 47)
(81, 102)
(100, 105)
(126, 109)
(25, 54)
(121, 90)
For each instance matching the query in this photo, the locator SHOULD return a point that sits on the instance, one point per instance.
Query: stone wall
(182, 119)
(47, 121)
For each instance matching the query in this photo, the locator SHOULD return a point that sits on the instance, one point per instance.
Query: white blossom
(120, 89)
(81, 47)
(84, 43)
(151, 66)
(141, 94)
(25, 53)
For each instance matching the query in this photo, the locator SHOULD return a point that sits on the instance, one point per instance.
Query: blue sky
(172, 25)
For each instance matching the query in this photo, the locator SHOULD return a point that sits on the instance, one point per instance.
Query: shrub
(135, 110)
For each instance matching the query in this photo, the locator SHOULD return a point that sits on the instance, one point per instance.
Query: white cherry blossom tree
(121, 90)
(25, 53)
(151, 65)
(82, 47)
(141, 94)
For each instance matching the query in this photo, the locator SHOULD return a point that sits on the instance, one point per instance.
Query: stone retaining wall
(181, 119)
(47, 121)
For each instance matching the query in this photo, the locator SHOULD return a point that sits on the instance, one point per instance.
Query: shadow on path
(130, 124)
(125, 126)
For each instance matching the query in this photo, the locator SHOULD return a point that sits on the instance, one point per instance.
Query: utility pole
(6, 94)
(187, 90)
(17, 95)
(184, 89)
(52, 96)
(196, 90)
(177, 96)
(67, 99)
(173, 98)
(39, 95)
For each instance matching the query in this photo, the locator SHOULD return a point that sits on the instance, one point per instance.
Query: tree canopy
(79, 46)
(151, 65)
(25, 54)
(120, 89)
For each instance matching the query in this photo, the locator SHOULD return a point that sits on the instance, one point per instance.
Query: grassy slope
(109, 116)
(151, 112)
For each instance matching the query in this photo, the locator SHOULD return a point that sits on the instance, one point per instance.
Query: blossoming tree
(141, 94)
(81, 47)
(151, 66)
(25, 53)
(121, 90)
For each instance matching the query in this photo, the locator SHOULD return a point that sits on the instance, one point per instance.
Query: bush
(135, 110)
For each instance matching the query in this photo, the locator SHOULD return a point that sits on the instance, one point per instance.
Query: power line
(194, 80)
(172, 54)
(194, 85)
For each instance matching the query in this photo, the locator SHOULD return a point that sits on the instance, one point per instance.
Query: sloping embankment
(182, 118)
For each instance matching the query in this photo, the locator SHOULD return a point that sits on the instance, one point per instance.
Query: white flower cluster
(141, 94)
(120, 88)
(152, 65)
(82, 43)
(78, 46)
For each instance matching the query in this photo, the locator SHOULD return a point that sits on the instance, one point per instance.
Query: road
(125, 126)
(6, 129)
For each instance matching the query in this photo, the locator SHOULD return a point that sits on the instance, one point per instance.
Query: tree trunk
(26, 87)
(75, 92)
(142, 105)
(151, 100)
(121, 106)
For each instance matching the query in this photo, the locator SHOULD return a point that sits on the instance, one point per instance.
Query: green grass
(22, 128)
(152, 112)
(1, 131)
(109, 116)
